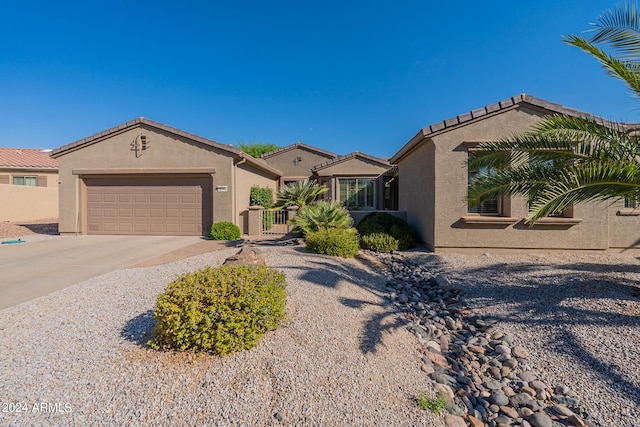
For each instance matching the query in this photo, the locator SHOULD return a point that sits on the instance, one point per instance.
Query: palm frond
(620, 29)
(578, 183)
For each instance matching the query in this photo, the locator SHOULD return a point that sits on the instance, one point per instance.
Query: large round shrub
(342, 242)
(224, 230)
(220, 310)
(382, 222)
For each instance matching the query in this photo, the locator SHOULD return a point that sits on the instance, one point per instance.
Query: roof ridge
(148, 122)
(296, 145)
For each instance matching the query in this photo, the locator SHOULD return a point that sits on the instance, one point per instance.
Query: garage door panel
(134, 205)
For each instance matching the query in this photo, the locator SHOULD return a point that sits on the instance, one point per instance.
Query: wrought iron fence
(275, 222)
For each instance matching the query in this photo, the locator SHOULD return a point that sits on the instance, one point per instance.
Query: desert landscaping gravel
(77, 357)
(578, 316)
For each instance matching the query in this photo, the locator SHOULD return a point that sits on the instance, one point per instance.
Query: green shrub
(261, 196)
(342, 242)
(379, 242)
(325, 214)
(382, 222)
(220, 310)
(224, 230)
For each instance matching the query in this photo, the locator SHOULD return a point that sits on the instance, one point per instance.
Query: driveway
(30, 270)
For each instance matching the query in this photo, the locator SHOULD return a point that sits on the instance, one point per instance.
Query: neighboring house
(28, 184)
(32, 167)
(143, 177)
(433, 189)
(359, 181)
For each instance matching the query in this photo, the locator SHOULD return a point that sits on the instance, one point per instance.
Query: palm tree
(565, 160)
(299, 194)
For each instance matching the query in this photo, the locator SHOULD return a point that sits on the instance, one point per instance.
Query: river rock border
(479, 368)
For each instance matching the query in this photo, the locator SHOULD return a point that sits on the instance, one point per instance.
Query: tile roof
(299, 145)
(506, 104)
(27, 158)
(349, 156)
(259, 163)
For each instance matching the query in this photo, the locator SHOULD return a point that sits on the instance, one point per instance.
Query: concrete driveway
(32, 269)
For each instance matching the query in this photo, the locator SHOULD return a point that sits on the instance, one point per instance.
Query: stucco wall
(285, 162)
(354, 167)
(23, 203)
(624, 225)
(166, 151)
(416, 191)
(445, 165)
(247, 178)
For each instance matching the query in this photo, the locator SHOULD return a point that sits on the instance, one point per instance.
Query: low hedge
(219, 310)
(382, 222)
(379, 242)
(342, 242)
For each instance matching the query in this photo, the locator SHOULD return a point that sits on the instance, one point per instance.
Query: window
(357, 193)
(631, 203)
(489, 207)
(31, 181)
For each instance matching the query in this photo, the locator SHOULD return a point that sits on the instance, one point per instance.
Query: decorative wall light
(297, 160)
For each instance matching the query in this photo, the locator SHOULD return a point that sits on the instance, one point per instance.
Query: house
(144, 177)
(28, 184)
(434, 176)
(358, 180)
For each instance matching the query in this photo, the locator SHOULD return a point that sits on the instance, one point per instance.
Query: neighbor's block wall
(23, 203)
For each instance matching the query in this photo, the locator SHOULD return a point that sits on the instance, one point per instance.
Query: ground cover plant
(224, 230)
(377, 223)
(433, 404)
(219, 310)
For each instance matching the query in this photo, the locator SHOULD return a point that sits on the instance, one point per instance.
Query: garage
(165, 205)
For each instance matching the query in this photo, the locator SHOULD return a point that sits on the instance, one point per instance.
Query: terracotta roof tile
(346, 157)
(27, 158)
(299, 145)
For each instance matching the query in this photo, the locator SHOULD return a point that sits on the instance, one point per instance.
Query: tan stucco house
(144, 177)
(358, 180)
(28, 184)
(434, 176)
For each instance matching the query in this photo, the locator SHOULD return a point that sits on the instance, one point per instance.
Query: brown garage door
(151, 206)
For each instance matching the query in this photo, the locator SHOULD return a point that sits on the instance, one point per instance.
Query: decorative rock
(476, 349)
(525, 412)
(520, 399)
(538, 385)
(278, 416)
(519, 352)
(576, 421)
(433, 346)
(454, 409)
(491, 383)
(509, 412)
(441, 378)
(499, 399)
(527, 376)
(436, 358)
(475, 422)
(540, 419)
(526, 389)
(501, 349)
(503, 419)
(451, 420)
(246, 255)
(403, 298)
(562, 410)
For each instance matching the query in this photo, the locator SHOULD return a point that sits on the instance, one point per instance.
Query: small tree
(299, 194)
(257, 149)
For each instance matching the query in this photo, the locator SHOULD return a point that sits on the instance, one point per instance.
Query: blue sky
(339, 75)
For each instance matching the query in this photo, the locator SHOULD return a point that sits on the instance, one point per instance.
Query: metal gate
(274, 222)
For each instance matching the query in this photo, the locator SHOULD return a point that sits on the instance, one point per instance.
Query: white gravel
(343, 359)
(579, 315)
